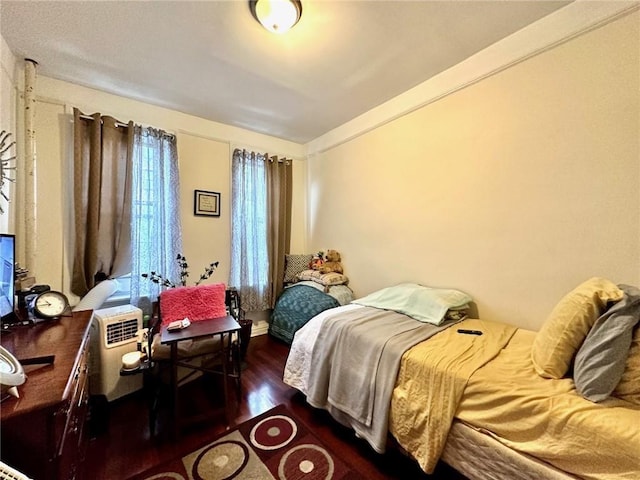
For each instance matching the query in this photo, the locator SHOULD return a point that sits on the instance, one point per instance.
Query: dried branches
(184, 273)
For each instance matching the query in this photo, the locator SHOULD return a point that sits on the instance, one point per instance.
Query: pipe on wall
(30, 164)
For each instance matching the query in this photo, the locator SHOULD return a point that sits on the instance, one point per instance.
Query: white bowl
(131, 360)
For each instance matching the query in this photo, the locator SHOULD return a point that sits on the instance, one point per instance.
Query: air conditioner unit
(113, 333)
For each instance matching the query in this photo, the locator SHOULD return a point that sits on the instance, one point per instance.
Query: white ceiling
(213, 60)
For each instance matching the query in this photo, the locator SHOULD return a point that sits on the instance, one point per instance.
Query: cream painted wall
(514, 189)
(299, 208)
(52, 144)
(8, 123)
(204, 149)
(211, 172)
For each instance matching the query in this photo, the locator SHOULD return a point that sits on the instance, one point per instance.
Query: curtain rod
(124, 125)
(267, 156)
(117, 123)
(280, 160)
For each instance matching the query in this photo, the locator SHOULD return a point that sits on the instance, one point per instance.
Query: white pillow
(97, 295)
(422, 303)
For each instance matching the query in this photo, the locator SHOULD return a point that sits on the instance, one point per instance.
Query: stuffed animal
(317, 261)
(331, 263)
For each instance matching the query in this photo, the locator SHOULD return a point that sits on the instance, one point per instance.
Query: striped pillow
(326, 279)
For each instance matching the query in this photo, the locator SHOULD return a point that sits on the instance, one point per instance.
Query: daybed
(306, 294)
(505, 404)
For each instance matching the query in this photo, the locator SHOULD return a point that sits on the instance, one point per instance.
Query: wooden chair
(200, 353)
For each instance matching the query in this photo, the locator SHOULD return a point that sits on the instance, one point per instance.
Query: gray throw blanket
(355, 362)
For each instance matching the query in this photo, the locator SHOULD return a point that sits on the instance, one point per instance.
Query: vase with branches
(184, 273)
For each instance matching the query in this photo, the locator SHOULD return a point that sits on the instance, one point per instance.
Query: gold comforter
(488, 382)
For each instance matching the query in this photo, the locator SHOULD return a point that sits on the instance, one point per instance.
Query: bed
(507, 404)
(306, 293)
(301, 301)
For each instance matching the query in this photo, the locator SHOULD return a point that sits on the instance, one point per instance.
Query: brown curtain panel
(103, 149)
(279, 194)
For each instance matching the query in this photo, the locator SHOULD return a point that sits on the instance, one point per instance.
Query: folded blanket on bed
(431, 382)
(354, 362)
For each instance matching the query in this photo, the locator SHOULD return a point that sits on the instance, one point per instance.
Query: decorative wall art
(206, 203)
(5, 163)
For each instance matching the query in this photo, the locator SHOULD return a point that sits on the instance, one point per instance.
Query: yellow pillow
(566, 328)
(629, 386)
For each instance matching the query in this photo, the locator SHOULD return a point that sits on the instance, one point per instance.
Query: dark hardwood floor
(121, 445)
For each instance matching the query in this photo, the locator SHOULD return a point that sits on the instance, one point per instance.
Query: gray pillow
(600, 361)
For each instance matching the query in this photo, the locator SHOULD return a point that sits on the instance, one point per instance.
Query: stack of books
(23, 280)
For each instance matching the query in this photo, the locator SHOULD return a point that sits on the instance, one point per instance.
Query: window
(126, 205)
(260, 226)
(249, 246)
(155, 212)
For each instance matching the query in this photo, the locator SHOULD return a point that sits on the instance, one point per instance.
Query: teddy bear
(331, 263)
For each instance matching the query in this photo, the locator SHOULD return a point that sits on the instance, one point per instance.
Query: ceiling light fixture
(277, 16)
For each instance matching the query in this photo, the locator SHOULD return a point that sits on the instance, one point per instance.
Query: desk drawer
(72, 443)
(43, 432)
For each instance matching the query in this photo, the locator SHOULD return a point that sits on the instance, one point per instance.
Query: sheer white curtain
(156, 237)
(249, 248)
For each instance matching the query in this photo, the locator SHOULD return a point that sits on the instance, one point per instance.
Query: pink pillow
(196, 303)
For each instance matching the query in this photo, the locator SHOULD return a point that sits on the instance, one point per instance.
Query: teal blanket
(296, 306)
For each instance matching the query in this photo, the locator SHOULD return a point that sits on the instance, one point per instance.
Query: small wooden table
(224, 327)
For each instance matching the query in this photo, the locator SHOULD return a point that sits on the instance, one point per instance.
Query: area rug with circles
(274, 445)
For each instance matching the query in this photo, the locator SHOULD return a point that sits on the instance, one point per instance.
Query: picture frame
(206, 203)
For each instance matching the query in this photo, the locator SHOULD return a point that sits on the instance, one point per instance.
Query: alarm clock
(49, 304)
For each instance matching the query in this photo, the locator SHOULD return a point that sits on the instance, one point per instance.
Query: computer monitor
(7, 277)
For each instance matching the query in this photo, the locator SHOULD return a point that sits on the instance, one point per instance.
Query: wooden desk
(43, 431)
(224, 327)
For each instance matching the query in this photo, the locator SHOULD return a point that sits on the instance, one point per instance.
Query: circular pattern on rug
(306, 461)
(273, 432)
(221, 461)
(166, 476)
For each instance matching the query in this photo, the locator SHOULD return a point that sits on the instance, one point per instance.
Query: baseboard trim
(259, 327)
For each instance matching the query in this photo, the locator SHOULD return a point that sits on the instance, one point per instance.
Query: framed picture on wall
(206, 203)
